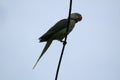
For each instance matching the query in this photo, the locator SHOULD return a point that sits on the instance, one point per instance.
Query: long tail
(44, 50)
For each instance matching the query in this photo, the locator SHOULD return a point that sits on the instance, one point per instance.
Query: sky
(93, 47)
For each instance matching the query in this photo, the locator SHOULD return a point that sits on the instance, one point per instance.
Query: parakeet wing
(56, 28)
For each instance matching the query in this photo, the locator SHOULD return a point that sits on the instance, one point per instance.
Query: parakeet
(58, 32)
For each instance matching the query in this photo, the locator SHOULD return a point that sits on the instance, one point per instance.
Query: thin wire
(65, 41)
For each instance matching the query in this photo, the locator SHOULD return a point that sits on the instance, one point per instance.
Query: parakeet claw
(64, 42)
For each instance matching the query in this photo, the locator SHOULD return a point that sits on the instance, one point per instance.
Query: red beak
(79, 18)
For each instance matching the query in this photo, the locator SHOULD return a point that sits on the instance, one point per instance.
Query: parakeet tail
(44, 50)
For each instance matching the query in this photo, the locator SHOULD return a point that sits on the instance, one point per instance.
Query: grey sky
(92, 52)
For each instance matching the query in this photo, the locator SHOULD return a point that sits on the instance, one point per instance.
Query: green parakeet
(58, 32)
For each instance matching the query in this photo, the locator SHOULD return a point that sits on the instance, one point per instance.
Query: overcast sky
(93, 47)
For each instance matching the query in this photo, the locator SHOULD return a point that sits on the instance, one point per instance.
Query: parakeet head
(76, 16)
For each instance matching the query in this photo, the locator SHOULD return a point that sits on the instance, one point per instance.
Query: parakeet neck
(74, 20)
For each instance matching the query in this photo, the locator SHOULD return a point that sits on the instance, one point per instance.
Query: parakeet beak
(79, 18)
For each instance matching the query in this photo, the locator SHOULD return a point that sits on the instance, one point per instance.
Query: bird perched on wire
(58, 32)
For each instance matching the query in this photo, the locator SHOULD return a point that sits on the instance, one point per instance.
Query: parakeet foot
(64, 42)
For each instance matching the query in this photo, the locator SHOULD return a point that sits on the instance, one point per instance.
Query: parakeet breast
(61, 34)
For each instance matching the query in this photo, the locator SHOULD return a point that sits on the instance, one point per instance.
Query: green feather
(62, 24)
(44, 50)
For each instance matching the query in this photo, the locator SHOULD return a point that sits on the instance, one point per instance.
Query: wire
(64, 42)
